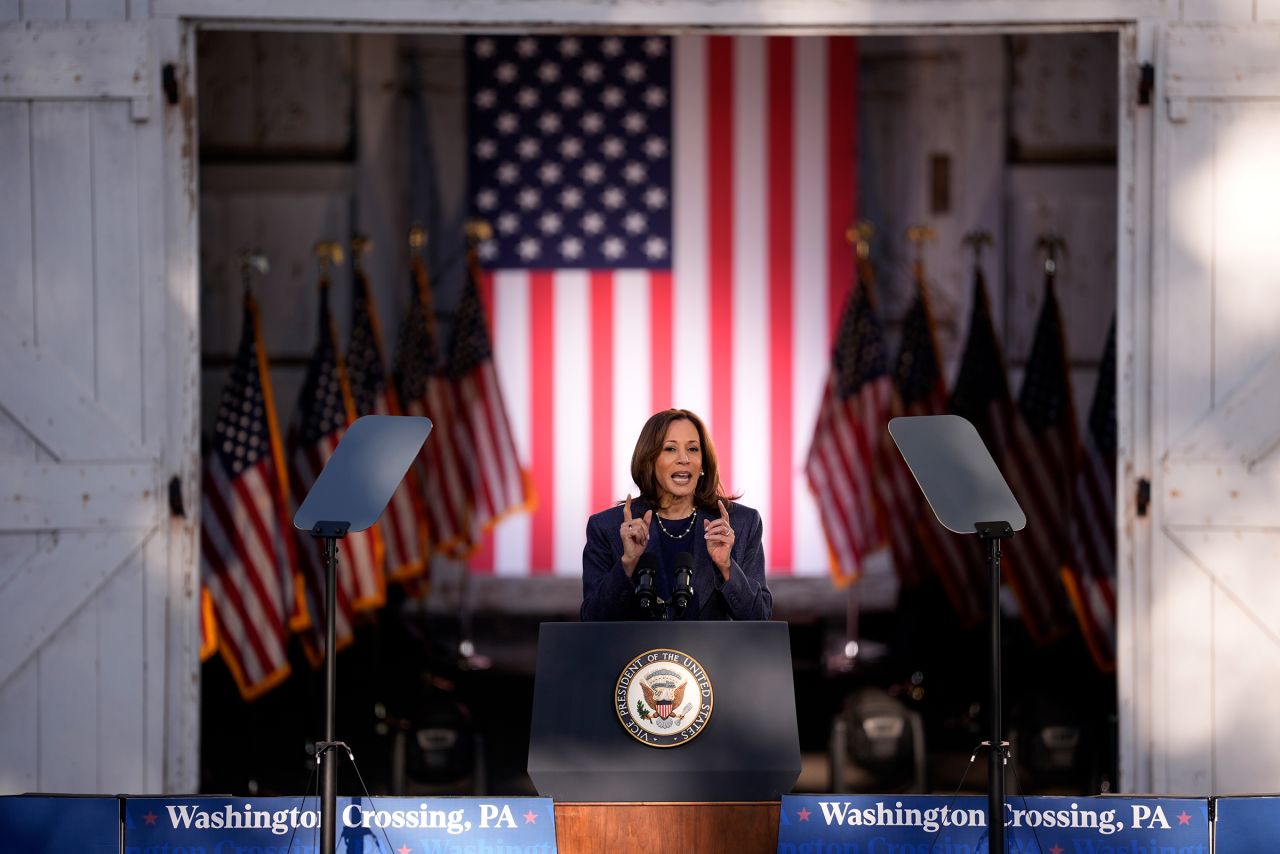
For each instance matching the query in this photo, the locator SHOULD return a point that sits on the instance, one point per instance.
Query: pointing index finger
(724, 511)
(626, 509)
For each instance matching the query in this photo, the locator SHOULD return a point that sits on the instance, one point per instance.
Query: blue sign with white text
(35, 824)
(937, 824)
(199, 825)
(1247, 824)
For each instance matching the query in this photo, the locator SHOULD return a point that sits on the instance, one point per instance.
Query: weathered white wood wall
(1213, 599)
(97, 665)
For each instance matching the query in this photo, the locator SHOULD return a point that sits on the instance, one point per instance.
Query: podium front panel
(748, 750)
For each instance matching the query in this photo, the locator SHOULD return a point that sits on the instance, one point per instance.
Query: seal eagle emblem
(664, 698)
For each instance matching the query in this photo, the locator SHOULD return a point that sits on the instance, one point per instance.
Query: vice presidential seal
(664, 698)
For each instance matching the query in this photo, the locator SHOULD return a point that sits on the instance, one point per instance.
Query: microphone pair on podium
(681, 594)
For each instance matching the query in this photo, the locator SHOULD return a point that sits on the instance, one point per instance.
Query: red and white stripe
(497, 483)
(247, 571)
(842, 472)
(403, 523)
(361, 584)
(903, 514)
(739, 329)
(444, 487)
(441, 459)
(1032, 560)
(898, 499)
(916, 538)
(959, 566)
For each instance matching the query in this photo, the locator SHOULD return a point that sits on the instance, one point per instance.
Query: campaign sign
(35, 824)
(198, 825)
(1247, 823)
(937, 824)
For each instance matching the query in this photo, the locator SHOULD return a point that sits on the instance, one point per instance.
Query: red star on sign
(803, 814)
(530, 817)
(1183, 818)
(150, 817)
(403, 849)
(1056, 849)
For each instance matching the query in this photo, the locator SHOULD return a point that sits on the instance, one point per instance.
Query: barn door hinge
(177, 507)
(1146, 83)
(1143, 497)
(169, 81)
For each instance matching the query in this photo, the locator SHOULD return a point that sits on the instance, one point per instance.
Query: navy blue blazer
(607, 593)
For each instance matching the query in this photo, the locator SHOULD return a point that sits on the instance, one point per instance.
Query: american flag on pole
(425, 389)
(208, 626)
(898, 498)
(842, 460)
(403, 523)
(497, 482)
(1041, 467)
(915, 536)
(981, 394)
(246, 536)
(670, 217)
(324, 411)
(1091, 570)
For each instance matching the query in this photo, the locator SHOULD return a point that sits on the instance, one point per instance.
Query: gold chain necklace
(692, 519)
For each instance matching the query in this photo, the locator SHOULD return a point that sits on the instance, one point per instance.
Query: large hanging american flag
(669, 221)
(246, 537)
(842, 464)
(403, 523)
(1091, 571)
(324, 411)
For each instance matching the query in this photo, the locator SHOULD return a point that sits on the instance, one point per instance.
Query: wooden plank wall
(1214, 641)
(82, 583)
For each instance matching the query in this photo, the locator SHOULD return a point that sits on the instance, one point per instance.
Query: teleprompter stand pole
(961, 482)
(329, 533)
(349, 495)
(992, 533)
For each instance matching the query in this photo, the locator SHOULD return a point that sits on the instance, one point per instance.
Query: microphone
(646, 571)
(682, 594)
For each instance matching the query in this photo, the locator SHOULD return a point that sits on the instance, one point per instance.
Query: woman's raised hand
(635, 536)
(719, 540)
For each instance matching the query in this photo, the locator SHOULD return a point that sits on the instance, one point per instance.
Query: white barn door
(1209, 639)
(98, 677)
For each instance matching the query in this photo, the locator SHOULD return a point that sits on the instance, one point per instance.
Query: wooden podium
(719, 791)
(745, 827)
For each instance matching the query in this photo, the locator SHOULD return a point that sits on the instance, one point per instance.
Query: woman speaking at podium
(682, 516)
